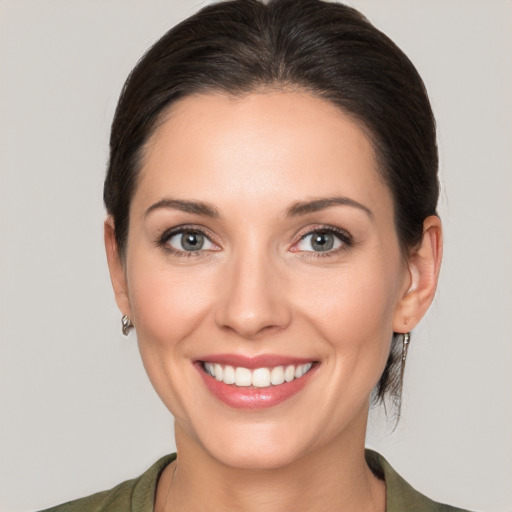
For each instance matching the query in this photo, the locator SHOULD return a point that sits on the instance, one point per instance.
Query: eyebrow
(196, 207)
(296, 209)
(315, 205)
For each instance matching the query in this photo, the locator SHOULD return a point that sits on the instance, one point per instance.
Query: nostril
(251, 332)
(252, 302)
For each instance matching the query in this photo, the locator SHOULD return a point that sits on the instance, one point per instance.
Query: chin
(256, 446)
(256, 457)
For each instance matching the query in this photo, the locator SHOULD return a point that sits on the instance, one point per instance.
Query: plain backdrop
(78, 414)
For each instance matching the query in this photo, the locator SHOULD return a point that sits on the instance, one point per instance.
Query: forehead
(280, 144)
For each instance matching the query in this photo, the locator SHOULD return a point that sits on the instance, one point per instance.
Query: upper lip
(253, 362)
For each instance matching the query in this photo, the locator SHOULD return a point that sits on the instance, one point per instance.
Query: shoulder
(400, 496)
(133, 495)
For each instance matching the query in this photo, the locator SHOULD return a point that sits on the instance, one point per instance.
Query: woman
(272, 237)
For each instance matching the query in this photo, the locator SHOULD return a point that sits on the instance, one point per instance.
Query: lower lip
(241, 397)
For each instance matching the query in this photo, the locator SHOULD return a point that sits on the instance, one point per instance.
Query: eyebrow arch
(315, 205)
(196, 207)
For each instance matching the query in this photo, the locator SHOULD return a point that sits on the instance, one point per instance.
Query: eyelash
(163, 240)
(343, 236)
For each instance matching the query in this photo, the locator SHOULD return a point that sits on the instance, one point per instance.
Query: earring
(126, 325)
(406, 339)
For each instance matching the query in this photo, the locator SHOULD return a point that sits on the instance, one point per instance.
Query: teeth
(259, 378)
(243, 377)
(289, 373)
(277, 375)
(210, 368)
(229, 375)
(301, 370)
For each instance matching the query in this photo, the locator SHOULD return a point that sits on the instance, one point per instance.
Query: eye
(189, 241)
(322, 240)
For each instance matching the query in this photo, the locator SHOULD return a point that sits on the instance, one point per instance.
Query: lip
(251, 397)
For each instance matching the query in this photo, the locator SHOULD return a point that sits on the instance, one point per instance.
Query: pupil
(322, 242)
(192, 241)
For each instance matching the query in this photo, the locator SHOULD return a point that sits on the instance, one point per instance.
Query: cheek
(167, 307)
(167, 304)
(353, 308)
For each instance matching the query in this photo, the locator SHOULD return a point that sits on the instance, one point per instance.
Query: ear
(424, 265)
(116, 268)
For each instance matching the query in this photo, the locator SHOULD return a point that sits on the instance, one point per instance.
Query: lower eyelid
(338, 243)
(163, 241)
(178, 234)
(343, 237)
(343, 241)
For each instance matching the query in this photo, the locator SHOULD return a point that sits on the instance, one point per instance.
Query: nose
(253, 302)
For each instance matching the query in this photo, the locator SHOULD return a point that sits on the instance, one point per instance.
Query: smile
(255, 382)
(259, 377)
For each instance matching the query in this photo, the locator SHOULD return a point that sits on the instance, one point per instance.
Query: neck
(334, 477)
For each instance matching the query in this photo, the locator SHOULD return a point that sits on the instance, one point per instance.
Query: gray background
(77, 412)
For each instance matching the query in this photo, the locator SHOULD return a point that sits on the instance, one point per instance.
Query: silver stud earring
(406, 339)
(126, 325)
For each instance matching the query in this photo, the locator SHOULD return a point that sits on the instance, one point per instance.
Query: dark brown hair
(328, 49)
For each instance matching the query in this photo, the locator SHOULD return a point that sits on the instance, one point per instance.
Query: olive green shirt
(138, 495)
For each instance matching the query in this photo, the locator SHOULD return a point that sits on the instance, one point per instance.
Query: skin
(260, 288)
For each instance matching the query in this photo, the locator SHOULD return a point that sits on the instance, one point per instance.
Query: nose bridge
(254, 299)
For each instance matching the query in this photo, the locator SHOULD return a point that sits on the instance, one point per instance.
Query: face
(263, 274)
